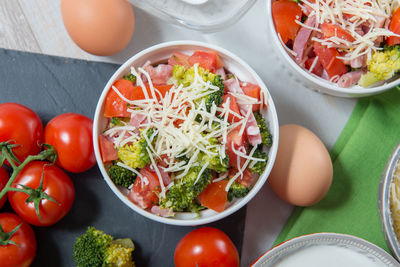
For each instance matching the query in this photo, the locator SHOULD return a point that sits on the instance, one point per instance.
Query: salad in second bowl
(185, 135)
(345, 42)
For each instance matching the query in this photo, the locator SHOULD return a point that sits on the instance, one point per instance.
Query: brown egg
(302, 173)
(100, 27)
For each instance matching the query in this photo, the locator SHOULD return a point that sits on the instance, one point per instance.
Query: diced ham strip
(359, 62)
(349, 79)
(165, 177)
(159, 74)
(301, 40)
(157, 210)
(221, 71)
(252, 130)
(137, 119)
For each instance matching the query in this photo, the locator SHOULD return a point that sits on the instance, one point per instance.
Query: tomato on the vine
(3, 182)
(71, 135)
(17, 249)
(56, 185)
(21, 126)
(205, 247)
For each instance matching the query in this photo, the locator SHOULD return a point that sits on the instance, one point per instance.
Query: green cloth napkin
(359, 158)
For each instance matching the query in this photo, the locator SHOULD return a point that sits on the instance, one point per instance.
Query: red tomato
(394, 26)
(233, 106)
(116, 107)
(22, 126)
(206, 60)
(214, 196)
(107, 149)
(56, 184)
(254, 91)
(247, 180)
(179, 59)
(317, 70)
(329, 60)
(285, 13)
(238, 142)
(142, 194)
(331, 30)
(3, 181)
(23, 254)
(71, 135)
(205, 247)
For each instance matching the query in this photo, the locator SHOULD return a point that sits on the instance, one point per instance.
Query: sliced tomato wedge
(331, 30)
(145, 194)
(238, 142)
(233, 106)
(107, 149)
(317, 70)
(214, 196)
(254, 91)
(394, 26)
(329, 60)
(285, 13)
(179, 59)
(206, 60)
(116, 107)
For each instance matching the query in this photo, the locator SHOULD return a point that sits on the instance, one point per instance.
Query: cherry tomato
(71, 135)
(56, 184)
(214, 196)
(3, 182)
(23, 254)
(285, 13)
(205, 247)
(206, 60)
(394, 26)
(22, 126)
(144, 194)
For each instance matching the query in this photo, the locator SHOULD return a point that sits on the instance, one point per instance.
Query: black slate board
(53, 85)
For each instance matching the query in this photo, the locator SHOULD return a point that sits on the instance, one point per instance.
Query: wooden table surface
(36, 26)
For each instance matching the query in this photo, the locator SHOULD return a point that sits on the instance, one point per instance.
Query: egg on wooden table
(302, 173)
(100, 27)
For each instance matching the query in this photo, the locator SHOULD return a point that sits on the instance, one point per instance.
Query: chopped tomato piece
(233, 106)
(214, 196)
(179, 59)
(247, 180)
(317, 70)
(107, 149)
(394, 26)
(239, 143)
(331, 30)
(252, 90)
(116, 107)
(144, 194)
(206, 60)
(329, 60)
(285, 13)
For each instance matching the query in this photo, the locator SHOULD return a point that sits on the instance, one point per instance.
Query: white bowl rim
(354, 90)
(197, 221)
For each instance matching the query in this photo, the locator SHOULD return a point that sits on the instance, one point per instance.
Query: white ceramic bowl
(326, 249)
(160, 53)
(316, 83)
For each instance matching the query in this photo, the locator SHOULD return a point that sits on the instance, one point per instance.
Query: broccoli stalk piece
(121, 176)
(259, 166)
(95, 248)
(382, 66)
(135, 155)
(266, 136)
(237, 190)
(181, 195)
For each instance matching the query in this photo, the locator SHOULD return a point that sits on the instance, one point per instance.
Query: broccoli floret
(121, 176)
(265, 134)
(135, 155)
(130, 77)
(382, 66)
(181, 195)
(115, 121)
(237, 190)
(95, 248)
(259, 166)
(215, 97)
(214, 161)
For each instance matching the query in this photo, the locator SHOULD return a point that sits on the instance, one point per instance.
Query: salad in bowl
(185, 137)
(343, 44)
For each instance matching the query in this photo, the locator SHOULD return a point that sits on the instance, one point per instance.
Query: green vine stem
(6, 148)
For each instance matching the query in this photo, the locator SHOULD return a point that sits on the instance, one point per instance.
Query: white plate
(326, 250)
